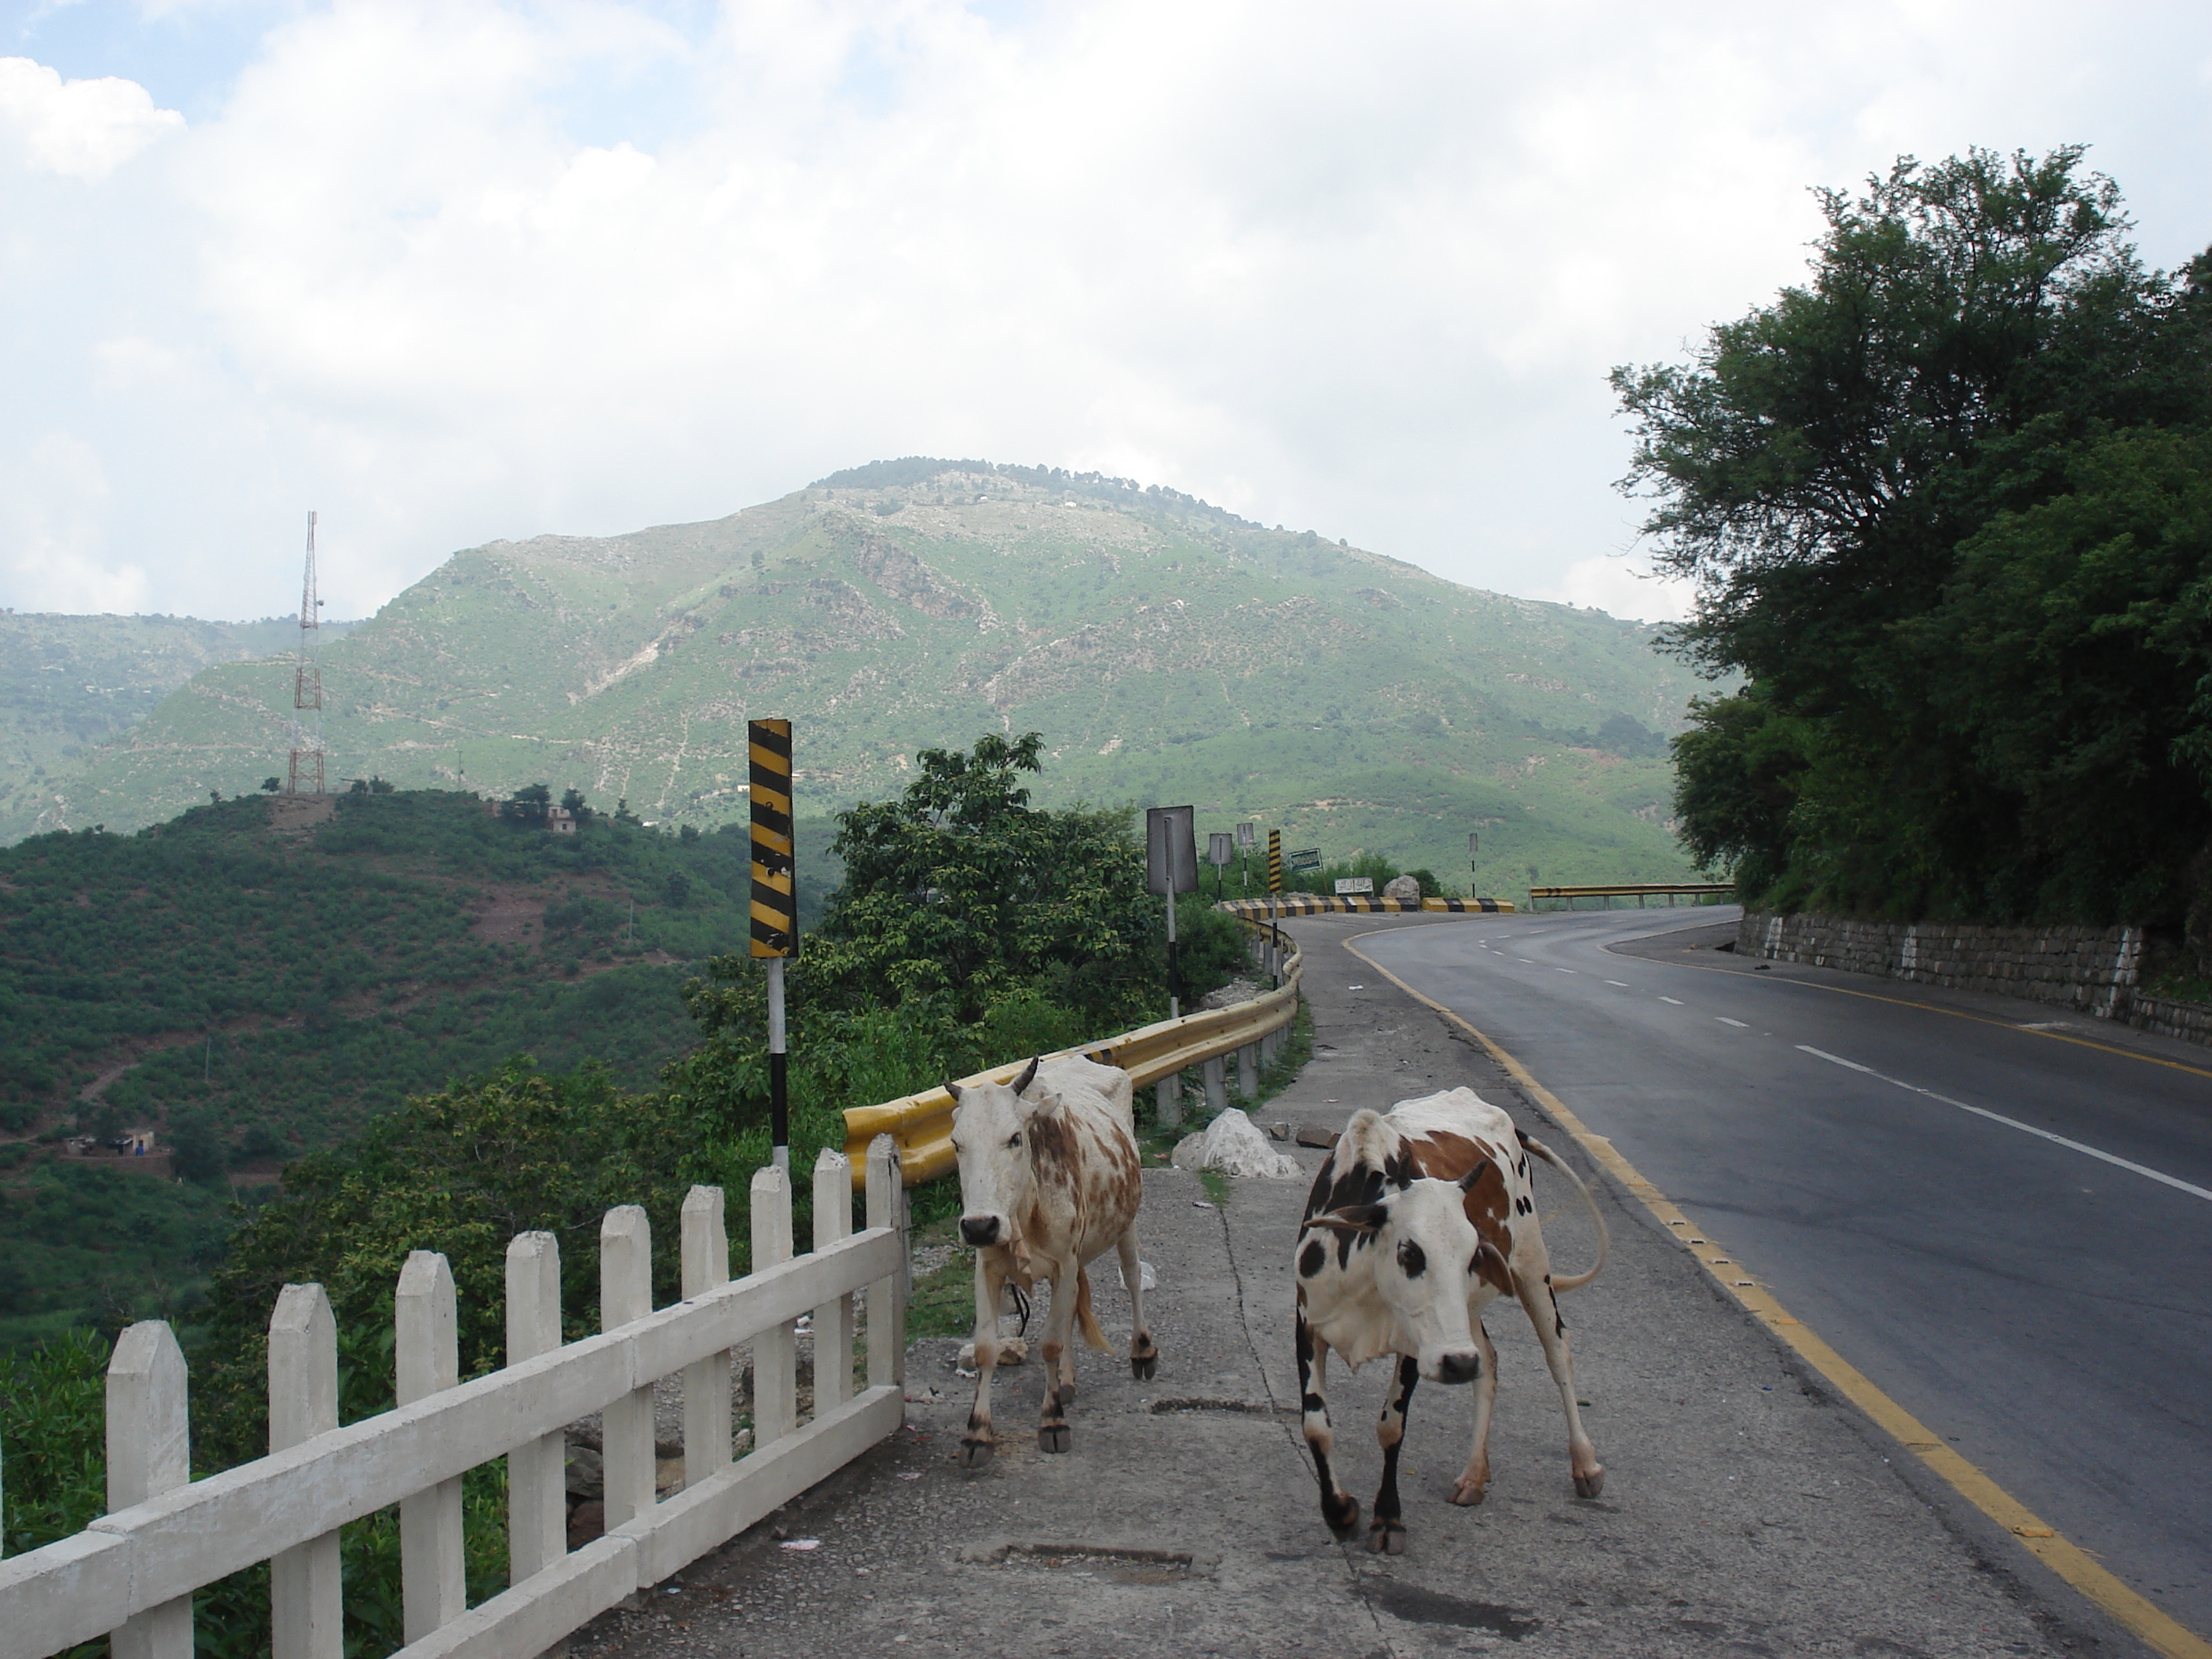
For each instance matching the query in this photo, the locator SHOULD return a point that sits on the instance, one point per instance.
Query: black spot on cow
(1412, 1258)
(1311, 1402)
(1401, 1170)
(1311, 1258)
(1524, 1206)
(1360, 1184)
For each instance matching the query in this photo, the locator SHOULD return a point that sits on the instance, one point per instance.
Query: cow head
(990, 1135)
(1424, 1256)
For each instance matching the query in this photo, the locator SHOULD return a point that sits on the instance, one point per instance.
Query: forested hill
(1167, 650)
(259, 976)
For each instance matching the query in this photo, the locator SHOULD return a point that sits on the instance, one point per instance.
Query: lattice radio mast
(307, 775)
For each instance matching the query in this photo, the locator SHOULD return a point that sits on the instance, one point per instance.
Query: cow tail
(1575, 1281)
(1086, 1321)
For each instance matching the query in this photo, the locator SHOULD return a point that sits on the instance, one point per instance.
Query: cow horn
(1028, 1076)
(953, 1089)
(1467, 1181)
(1358, 1219)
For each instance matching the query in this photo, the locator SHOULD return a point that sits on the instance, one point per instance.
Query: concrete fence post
(149, 1453)
(1247, 1070)
(626, 1425)
(537, 1473)
(775, 1352)
(307, 1614)
(887, 1295)
(833, 1320)
(1215, 1071)
(427, 1360)
(705, 1249)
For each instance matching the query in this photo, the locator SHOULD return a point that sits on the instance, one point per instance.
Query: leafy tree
(272, 785)
(1888, 486)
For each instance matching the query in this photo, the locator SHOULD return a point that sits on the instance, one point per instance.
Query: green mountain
(69, 683)
(1168, 651)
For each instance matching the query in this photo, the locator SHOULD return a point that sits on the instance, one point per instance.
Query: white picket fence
(132, 1572)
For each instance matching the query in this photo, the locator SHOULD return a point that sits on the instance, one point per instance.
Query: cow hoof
(1590, 1485)
(1467, 1493)
(974, 1453)
(1054, 1437)
(1066, 1391)
(1141, 1366)
(1386, 1538)
(1344, 1522)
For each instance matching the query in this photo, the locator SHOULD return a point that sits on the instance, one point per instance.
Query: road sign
(1355, 884)
(1219, 848)
(1306, 859)
(1248, 834)
(775, 897)
(1170, 849)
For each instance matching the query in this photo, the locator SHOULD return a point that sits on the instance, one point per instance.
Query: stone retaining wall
(2092, 969)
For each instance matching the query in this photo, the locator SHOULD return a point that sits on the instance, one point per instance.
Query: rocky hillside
(1167, 651)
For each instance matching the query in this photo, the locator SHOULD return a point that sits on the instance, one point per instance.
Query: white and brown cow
(1417, 1219)
(1049, 1177)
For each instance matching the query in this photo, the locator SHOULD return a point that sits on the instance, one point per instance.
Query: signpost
(1354, 885)
(775, 905)
(1307, 858)
(1247, 835)
(1219, 849)
(1172, 867)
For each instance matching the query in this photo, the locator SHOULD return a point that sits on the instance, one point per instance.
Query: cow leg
(1386, 1535)
(1552, 1331)
(1053, 1433)
(1144, 1357)
(978, 1443)
(1475, 1479)
(1338, 1507)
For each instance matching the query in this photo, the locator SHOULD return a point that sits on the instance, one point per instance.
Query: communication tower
(306, 774)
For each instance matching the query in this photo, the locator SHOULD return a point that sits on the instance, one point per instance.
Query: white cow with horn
(1049, 1177)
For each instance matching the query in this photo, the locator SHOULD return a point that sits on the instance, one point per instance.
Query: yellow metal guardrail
(922, 1124)
(1638, 890)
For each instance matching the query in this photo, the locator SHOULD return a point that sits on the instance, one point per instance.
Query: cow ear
(1353, 1218)
(1467, 1181)
(953, 1089)
(1028, 1076)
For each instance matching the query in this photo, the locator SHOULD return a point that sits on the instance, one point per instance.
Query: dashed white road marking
(1678, 1005)
(1565, 970)
(1622, 983)
(1739, 1025)
(2009, 1123)
(1524, 961)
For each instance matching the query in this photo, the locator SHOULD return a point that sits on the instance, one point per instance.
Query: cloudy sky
(458, 270)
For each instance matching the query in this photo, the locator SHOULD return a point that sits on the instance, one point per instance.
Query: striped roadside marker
(775, 905)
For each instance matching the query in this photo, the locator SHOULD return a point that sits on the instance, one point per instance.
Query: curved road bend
(2047, 1310)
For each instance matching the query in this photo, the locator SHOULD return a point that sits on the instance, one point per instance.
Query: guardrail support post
(706, 1248)
(833, 1320)
(149, 1453)
(1248, 1071)
(537, 1473)
(775, 1352)
(887, 1295)
(1215, 1072)
(426, 1340)
(1167, 1096)
(626, 1425)
(307, 1614)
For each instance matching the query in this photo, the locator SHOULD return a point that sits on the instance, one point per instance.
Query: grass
(943, 1301)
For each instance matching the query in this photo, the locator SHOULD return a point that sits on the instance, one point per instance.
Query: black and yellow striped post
(1274, 861)
(775, 907)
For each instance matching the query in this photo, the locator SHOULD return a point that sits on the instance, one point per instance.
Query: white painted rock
(1233, 1145)
(1404, 889)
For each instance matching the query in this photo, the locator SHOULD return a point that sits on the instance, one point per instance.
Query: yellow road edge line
(2083, 1571)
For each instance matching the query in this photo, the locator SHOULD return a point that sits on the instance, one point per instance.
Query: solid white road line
(2009, 1123)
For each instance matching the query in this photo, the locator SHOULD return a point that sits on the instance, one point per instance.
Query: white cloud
(458, 270)
(81, 130)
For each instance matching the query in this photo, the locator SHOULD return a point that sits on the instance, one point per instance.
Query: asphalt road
(2047, 1310)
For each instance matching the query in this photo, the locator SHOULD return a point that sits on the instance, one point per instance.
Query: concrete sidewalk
(1743, 1514)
